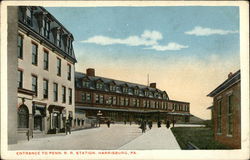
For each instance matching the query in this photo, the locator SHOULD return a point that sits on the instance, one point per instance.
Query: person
(159, 124)
(168, 124)
(108, 123)
(150, 124)
(173, 122)
(68, 129)
(143, 126)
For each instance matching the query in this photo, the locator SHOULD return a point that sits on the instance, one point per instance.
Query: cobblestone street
(118, 136)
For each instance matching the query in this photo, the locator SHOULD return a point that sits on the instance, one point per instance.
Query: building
(226, 111)
(116, 100)
(46, 73)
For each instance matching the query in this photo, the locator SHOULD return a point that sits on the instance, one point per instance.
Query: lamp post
(173, 116)
(99, 114)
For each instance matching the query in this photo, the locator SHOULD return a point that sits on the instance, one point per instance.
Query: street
(118, 136)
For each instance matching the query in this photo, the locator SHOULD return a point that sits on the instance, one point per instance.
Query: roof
(210, 107)
(79, 75)
(226, 84)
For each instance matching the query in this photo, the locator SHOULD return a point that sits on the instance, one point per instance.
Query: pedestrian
(168, 124)
(150, 124)
(108, 123)
(173, 122)
(68, 128)
(143, 126)
(159, 124)
(125, 122)
(130, 122)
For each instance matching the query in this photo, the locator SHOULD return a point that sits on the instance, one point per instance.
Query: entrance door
(38, 123)
(55, 120)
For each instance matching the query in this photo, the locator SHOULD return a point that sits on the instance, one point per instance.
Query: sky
(188, 51)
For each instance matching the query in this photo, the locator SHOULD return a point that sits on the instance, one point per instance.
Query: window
(46, 60)
(70, 96)
(114, 100)
(58, 65)
(45, 88)
(23, 117)
(136, 92)
(219, 117)
(148, 104)
(137, 103)
(126, 102)
(34, 54)
(29, 17)
(34, 84)
(97, 100)
(230, 115)
(133, 102)
(46, 28)
(86, 97)
(20, 46)
(125, 89)
(58, 39)
(99, 85)
(63, 94)
(55, 90)
(101, 99)
(20, 79)
(144, 103)
(122, 101)
(85, 84)
(69, 72)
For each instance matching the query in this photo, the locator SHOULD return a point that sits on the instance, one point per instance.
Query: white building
(45, 73)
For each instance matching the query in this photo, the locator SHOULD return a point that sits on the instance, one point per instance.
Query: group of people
(143, 125)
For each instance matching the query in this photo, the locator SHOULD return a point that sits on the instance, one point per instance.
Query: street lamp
(99, 114)
(173, 116)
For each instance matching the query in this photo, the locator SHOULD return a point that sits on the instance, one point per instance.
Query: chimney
(153, 85)
(90, 72)
(230, 75)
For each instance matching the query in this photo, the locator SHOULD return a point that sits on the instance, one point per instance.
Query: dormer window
(125, 90)
(146, 93)
(58, 39)
(29, 16)
(69, 49)
(46, 27)
(99, 85)
(112, 88)
(136, 92)
(85, 84)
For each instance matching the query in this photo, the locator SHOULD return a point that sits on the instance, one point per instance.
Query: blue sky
(170, 22)
(187, 51)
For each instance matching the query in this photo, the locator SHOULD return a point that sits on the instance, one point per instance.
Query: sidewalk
(156, 138)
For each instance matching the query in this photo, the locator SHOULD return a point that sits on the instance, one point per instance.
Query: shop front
(56, 119)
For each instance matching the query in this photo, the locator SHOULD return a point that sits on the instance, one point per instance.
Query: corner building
(226, 111)
(125, 101)
(46, 73)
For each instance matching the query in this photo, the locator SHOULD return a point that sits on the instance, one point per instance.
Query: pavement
(156, 138)
(118, 136)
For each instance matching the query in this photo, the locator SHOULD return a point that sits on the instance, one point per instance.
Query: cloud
(148, 38)
(170, 46)
(200, 31)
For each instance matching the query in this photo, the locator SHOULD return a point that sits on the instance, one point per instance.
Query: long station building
(118, 100)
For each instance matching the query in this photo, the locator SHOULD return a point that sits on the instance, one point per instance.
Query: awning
(179, 114)
(210, 107)
(119, 109)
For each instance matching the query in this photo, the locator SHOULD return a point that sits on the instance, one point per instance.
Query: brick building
(226, 111)
(46, 71)
(124, 101)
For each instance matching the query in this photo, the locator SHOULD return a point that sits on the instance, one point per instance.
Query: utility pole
(148, 80)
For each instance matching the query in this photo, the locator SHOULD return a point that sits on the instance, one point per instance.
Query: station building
(116, 100)
(46, 71)
(226, 111)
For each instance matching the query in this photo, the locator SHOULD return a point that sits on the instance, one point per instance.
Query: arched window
(23, 117)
